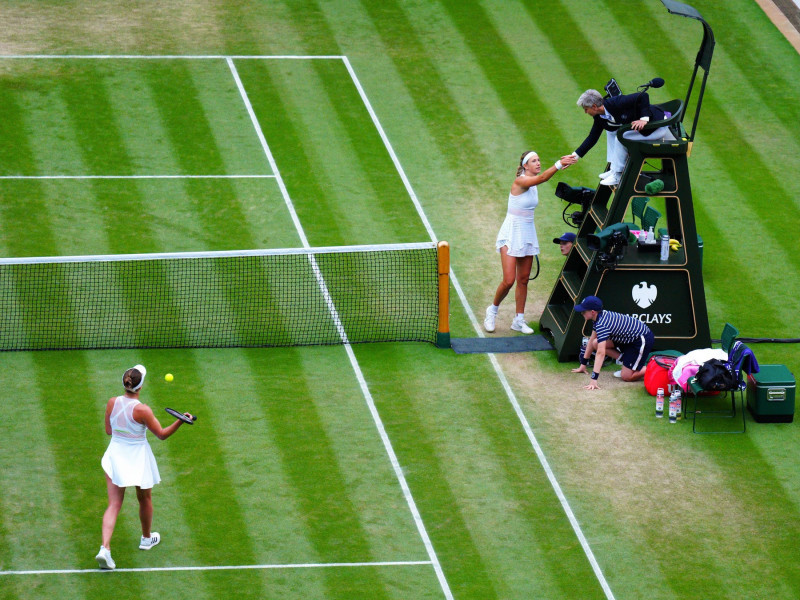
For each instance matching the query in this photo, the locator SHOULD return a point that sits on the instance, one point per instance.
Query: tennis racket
(181, 416)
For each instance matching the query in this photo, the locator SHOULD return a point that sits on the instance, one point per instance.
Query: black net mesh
(308, 297)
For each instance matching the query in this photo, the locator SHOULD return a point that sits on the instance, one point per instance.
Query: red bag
(658, 373)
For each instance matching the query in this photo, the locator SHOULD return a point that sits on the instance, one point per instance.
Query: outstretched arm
(526, 181)
(144, 414)
(591, 139)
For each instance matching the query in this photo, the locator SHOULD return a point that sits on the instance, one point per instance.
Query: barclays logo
(643, 294)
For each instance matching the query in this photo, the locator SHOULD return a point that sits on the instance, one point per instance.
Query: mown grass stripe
(513, 502)
(215, 524)
(772, 528)
(774, 87)
(22, 177)
(428, 90)
(260, 484)
(23, 235)
(38, 527)
(75, 452)
(348, 185)
(501, 69)
(333, 524)
(468, 573)
(378, 195)
(287, 144)
(17, 212)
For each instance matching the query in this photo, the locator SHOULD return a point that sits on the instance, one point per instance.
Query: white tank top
(524, 204)
(123, 427)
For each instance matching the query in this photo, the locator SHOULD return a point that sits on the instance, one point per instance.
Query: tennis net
(251, 298)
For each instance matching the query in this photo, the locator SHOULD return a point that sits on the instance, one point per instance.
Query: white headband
(141, 370)
(527, 157)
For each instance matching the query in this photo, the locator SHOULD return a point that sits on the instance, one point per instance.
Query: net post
(443, 259)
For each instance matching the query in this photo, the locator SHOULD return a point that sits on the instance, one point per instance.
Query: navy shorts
(634, 355)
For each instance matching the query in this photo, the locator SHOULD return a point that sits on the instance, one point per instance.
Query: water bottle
(642, 236)
(660, 403)
(673, 409)
(651, 237)
(664, 247)
(678, 404)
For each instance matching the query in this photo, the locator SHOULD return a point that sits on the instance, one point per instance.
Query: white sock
(521, 316)
(493, 308)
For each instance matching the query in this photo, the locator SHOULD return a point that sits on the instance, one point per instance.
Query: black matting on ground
(518, 343)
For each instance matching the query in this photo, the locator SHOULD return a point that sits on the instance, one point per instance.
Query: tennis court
(390, 470)
(312, 470)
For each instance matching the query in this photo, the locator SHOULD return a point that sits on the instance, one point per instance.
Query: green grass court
(387, 471)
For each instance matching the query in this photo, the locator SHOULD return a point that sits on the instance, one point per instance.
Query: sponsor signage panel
(661, 298)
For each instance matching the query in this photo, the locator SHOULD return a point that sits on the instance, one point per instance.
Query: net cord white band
(217, 254)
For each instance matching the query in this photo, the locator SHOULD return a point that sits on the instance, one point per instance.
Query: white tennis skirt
(129, 464)
(519, 235)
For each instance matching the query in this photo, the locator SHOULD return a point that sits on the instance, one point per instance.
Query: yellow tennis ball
(168, 377)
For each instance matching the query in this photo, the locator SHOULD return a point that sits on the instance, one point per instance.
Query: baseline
(392, 563)
(137, 176)
(166, 57)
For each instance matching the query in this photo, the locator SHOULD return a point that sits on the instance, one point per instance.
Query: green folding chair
(638, 206)
(650, 218)
(729, 335)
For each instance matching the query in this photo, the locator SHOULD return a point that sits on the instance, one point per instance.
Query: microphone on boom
(655, 82)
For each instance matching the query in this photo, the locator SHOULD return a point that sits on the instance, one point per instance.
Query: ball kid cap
(590, 303)
(567, 237)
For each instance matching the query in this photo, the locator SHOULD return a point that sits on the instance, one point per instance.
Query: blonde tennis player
(517, 242)
(129, 461)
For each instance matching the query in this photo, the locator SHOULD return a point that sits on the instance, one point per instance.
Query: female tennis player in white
(129, 461)
(516, 241)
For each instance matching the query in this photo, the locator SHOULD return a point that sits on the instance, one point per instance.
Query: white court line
(395, 563)
(165, 57)
(137, 176)
(492, 358)
(387, 444)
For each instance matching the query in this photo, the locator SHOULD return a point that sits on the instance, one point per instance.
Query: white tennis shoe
(519, 324)
(149, 542)
(488, 322)
(605, 174)
(104, 560)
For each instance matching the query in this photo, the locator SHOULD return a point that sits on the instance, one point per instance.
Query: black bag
(717, 375)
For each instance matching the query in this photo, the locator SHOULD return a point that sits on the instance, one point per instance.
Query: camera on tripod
(610, 243)
(574, 195)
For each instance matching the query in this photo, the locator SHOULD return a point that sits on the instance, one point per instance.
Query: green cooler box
(770, 394)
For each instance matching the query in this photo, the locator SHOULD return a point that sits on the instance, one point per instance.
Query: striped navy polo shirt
(620, 329)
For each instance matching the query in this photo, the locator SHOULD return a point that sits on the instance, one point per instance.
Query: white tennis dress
(129, 460)
(518, 231)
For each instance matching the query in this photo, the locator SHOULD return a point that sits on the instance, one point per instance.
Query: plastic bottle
(660, 403)
(673, 409)
(642, 236)
(651, 237)
(665, 247)
(678, 404)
